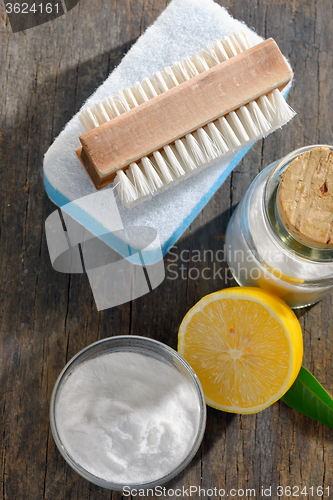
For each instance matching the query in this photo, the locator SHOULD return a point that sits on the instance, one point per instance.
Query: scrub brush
(186, 117)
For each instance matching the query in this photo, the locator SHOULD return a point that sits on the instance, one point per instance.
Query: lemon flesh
(245, 345)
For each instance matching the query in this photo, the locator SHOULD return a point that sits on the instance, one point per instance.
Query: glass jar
(260, 251)
(126, 344)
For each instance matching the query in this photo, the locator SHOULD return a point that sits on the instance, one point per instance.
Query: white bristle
(229, 47)
(266, 108)
(128, 172)
(127, 192)
(104, 110)
(150, 87)
(191, 67)
(139, 180)
(129, 96)
(147, 88)
(274, 103)
(154, 180)
(139, 93)
(163, 168)
(174, 163)
(171, 82)
(220, 50)
(283, 111)
(200, 63)
(212, 50)
(178, 73)
(238, 127)
(119, 105)
(159, 77)
(217, 139)
(205, 145)
(195, 150)
(100, 113)
(241, 39)
(154, 84)
(208, 57)
(172, 75)
(248, 123)
(121, 101)
(113, 106)
(259, 118)
(88, 120)
(236, 43)
(230, 137)
(186, 159)
(108, 109)
(182, 70)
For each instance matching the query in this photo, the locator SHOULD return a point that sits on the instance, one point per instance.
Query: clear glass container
(146, 347)
(260, 251)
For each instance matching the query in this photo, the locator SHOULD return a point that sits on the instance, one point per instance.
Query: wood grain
(46, 317)
(305, 200)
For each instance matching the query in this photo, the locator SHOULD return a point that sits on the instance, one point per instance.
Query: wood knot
(323, 189)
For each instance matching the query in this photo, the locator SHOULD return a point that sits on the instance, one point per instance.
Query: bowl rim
(130, 343)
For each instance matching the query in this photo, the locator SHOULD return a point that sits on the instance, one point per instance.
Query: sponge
(183, 28)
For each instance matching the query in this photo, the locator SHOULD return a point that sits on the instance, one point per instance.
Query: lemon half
(246, 346)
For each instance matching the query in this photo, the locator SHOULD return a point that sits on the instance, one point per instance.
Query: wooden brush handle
(182, 110)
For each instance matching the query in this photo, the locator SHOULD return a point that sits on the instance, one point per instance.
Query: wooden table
(46, 317)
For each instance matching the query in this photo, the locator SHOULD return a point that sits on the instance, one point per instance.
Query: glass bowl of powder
(128, 411)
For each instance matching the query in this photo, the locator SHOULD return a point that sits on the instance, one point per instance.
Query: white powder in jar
(127, 418)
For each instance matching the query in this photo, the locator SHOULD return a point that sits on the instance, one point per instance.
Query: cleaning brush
(186, 117)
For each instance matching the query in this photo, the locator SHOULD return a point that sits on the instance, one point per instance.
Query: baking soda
(127, 418)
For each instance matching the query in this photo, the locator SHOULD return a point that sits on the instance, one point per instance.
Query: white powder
(127, 418)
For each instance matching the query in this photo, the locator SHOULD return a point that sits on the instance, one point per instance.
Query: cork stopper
(305, 198)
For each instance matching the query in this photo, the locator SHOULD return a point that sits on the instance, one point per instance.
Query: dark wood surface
(46, 317)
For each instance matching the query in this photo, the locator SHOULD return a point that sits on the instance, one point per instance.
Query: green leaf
(307, 396)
